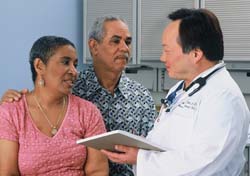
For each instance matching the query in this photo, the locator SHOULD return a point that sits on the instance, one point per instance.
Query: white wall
(22, 22)
(247, 97)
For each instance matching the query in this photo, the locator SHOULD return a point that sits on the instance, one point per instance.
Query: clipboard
(108, 141)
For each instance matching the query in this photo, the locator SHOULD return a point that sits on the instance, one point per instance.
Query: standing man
(124, 103)
(204, 121)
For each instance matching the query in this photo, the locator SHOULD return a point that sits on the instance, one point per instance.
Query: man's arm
(12, 95)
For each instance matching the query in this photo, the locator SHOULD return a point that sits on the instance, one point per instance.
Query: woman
(38, 133)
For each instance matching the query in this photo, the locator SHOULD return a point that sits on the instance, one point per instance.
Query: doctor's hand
(128, 155)
(12, 95)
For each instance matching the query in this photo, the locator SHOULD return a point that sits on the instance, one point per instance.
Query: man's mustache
(124, 56)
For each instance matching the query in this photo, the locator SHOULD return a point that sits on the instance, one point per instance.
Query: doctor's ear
(197, 54)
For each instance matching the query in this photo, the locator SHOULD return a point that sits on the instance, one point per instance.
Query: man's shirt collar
(94, 86)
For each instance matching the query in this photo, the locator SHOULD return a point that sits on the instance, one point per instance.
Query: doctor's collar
(196, 85)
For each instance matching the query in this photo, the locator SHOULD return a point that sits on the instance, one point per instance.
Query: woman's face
(60, 72)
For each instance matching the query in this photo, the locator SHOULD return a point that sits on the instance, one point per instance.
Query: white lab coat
(204, 134)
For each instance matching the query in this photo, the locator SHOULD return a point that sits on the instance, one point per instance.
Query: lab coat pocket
(181, 125)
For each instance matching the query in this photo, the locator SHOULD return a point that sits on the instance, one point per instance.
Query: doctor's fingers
(118, 160)
(129, 153)
(115, 157)
(123, 148)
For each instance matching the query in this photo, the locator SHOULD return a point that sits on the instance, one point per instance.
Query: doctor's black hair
(199, 28)
(44, 48)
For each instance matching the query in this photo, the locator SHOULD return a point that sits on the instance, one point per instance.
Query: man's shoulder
(85, 77)
(86, 72)
(134, 88)
(132, 83)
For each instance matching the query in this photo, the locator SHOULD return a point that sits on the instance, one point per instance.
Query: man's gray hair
(97, 30)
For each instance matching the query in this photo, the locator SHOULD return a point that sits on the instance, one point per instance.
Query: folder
(108, 141)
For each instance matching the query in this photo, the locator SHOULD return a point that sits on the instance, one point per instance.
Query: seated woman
(38, 133)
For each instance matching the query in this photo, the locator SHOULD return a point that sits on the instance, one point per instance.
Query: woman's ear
(39, 66)
(93, 46)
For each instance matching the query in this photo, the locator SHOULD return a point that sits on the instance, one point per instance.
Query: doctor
(204, 120)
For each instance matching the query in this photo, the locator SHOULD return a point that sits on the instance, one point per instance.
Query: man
(204, 121)
(124, 103)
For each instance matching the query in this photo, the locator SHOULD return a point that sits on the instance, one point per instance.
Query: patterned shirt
(131, 108)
